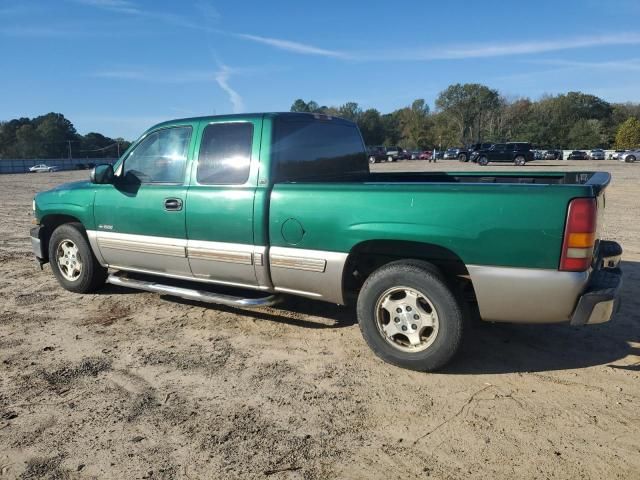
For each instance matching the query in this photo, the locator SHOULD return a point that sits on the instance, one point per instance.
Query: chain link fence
(8, 165)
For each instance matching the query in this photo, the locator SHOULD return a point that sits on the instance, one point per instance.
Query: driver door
(140, 218)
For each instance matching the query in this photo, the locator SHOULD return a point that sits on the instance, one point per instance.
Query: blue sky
(119, 66)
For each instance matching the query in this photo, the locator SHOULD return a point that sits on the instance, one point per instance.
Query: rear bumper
(531, 295)
(601, 298)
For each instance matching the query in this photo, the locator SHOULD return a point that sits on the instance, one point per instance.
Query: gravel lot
(124, 384)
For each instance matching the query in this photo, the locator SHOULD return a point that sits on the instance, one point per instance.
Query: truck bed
(489, 218)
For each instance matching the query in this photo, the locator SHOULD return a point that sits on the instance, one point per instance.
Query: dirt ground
(124, 384)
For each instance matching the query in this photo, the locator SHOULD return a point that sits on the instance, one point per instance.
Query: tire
(520, 161)
(69, 247)
(389, 158)
(630, 159)
(484, 161)
(372, 159)
(438, 342)
(462, 157)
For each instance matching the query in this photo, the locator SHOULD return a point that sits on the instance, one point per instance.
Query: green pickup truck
(284, 203)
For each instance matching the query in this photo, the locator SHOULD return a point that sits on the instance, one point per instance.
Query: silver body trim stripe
(311, 273)
(142, 247)
(298, 263)
(220, 255)
(526, 295)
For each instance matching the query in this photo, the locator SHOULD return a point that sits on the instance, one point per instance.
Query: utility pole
(69, 142)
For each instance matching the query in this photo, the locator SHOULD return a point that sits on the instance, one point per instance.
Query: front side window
(160, 158)
(225, 154)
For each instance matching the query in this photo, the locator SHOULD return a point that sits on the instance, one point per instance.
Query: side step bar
(121, 280)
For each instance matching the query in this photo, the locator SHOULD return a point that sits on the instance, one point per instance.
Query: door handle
(173, 204)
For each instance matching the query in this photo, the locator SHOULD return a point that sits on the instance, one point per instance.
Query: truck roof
(247, 116)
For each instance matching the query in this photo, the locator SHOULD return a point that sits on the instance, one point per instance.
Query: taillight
(579, 235)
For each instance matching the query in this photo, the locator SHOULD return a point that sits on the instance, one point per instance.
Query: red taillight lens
(579, 235)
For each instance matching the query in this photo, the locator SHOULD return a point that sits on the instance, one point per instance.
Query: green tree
(299, 106)
(414, 124)
(468, 105)
(371, 127)
(350, 111)
(29, 142)
(628, 134)
(585, 134)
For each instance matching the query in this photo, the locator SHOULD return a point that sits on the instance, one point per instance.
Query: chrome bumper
(601, 298)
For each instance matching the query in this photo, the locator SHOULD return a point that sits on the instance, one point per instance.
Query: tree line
(471, 112)
(54, 136)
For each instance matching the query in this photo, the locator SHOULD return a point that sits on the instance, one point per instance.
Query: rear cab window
(307, 148)
(225, 154)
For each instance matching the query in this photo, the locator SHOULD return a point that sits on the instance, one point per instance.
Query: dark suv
(376, 154)
(516, 152)
(396, 153)
(473, 148)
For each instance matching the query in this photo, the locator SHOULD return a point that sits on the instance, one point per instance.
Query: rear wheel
(462, 157)
(519, 160)
(72, 260)
(483, 161)
(389, 158)
(631, 159)
(372, 159)
(409, 317)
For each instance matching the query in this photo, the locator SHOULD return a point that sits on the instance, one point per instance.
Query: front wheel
(372, 159)
(520, 161)
(462, 157)
(409, 317)
(389, 158)
(631, 159)
(483, 161)
(72, 260)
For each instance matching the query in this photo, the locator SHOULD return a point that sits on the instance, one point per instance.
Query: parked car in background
(578, 155)
(472, 149)
(439, 154)
(426, 155)
(396, 153)
(618, 154)
(553, 154)
(461, 154)
(517, 152)
(43, 168)
(376, 154)
(414, 154)
(630, 156)
(597, 154)
(538, 155)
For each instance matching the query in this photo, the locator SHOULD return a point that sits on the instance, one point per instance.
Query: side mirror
(102, 173)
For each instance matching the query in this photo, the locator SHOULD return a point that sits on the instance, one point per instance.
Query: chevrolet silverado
(284, 203)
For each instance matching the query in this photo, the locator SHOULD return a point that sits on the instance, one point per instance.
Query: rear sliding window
(306, 148)
(225, 154)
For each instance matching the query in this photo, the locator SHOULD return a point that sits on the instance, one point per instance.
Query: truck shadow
(508, 348)
(489, 348)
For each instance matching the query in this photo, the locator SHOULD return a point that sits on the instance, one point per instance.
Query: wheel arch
(367, 256)
(49, 223)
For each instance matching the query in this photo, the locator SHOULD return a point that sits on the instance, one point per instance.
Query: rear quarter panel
(484, 224)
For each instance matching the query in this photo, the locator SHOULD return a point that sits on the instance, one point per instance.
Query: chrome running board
(120, 279)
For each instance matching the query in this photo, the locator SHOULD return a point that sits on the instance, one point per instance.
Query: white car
(630, 156)
(42, 168)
